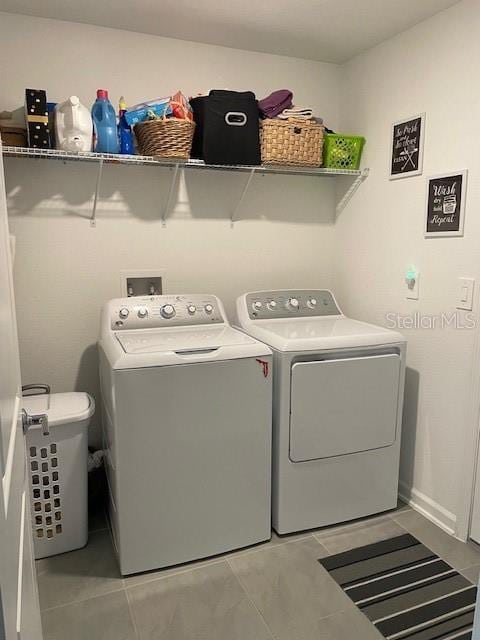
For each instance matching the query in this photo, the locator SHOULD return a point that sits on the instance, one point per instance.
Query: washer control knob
(293, 304)
(191, 309)
(272, 305)
(312, 303)
(167, 311)
(208, 308)
(123, 313)
(142, 312)
(257, 305)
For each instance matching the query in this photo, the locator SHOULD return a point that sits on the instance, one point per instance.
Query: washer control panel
(165, 311)
(291, 303)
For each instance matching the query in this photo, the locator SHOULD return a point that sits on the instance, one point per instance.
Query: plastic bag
(180, 107)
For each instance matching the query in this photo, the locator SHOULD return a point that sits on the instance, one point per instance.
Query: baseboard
(428, 508)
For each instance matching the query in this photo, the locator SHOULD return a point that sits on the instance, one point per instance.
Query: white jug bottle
(73, 126)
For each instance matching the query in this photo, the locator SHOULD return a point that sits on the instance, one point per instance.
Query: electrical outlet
(144, 282)
(412, 282)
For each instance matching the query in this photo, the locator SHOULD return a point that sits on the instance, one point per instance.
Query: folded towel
(296, 112)
(275, 103)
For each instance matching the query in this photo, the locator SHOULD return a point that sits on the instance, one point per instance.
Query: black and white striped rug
(407, 591)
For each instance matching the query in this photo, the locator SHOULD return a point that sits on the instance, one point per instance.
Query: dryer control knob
(208, 308)
(191, 309)
(293, 304)
(312, 303)
(272, 305)
(123, 313)
(142, 312)
(257, 305)
(167, 311)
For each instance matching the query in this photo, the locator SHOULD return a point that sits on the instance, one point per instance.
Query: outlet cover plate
(413, 292)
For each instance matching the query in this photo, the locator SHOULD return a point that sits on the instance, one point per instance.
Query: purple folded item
(275, 103)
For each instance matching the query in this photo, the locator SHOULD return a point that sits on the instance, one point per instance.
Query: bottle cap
(122, 105)
(102, 94)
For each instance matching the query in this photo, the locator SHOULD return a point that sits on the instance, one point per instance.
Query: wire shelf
(113, 158)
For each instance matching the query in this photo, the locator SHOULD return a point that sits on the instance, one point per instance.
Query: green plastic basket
(342, 152)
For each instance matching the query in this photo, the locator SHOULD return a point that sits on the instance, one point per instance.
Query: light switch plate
(465, 290)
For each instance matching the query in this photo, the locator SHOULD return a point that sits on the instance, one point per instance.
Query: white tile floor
(274, 591)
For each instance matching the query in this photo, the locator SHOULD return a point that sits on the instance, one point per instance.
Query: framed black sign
(407, 147)
(446, 204)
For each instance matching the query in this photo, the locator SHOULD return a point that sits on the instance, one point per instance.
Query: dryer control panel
(152, 312)
(291, 303)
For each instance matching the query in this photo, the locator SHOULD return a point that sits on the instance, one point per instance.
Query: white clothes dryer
(337, 408)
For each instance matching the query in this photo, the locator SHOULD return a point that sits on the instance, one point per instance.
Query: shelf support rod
(353, 187)
(93, 218)
(233, 215)
(169, 196)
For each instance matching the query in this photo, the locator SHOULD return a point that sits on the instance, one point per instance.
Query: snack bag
(180, 107)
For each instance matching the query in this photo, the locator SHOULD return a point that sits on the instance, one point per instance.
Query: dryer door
(343, 406)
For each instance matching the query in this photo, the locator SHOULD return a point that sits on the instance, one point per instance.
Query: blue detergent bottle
(125, 135)
(104, 124)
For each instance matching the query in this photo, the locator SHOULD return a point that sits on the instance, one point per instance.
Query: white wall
(430, 68)
(65, 269)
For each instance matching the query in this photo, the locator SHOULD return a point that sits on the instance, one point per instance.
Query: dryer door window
(343, 406)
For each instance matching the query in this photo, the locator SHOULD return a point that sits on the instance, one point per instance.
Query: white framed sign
(445, 205)
(406, 157)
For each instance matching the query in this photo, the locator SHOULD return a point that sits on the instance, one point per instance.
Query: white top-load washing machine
(337, 408)
(187, 404)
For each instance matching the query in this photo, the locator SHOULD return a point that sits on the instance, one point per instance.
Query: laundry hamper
(57, 458)
(294, 141)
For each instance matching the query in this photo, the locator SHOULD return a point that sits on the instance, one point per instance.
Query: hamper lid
(61, 408)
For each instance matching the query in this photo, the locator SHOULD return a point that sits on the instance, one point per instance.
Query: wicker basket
(294, 141)
(165, 138)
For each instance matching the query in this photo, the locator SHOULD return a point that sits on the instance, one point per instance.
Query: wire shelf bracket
(168, 201)
(93, 217)
(233, 215)
(363, 175)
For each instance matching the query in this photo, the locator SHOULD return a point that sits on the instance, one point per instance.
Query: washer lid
(307, 334)
(181, 345)
(179, 340)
